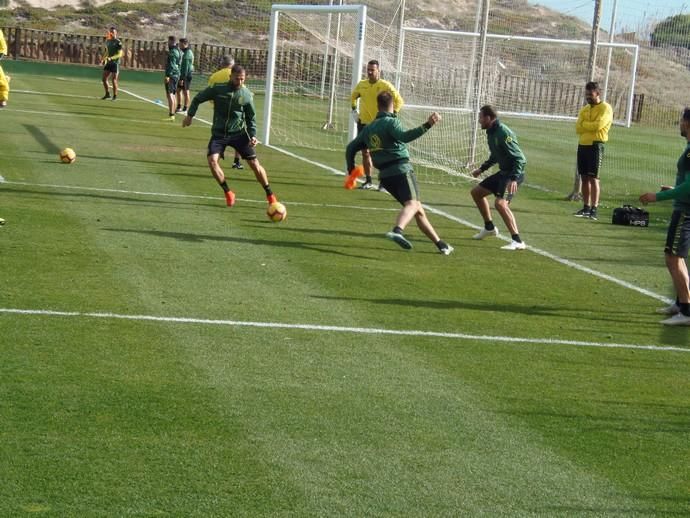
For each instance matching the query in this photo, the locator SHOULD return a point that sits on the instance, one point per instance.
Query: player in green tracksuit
(504, 151)
(186, 69)
(386, 140)
(172, 74)
(678, 236)
(234, 124)
(111, 62)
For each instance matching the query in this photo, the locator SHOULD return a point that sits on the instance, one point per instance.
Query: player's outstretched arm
(187, 121)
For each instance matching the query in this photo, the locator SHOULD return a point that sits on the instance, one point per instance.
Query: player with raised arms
(386, 139)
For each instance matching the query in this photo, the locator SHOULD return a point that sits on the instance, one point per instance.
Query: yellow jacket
(366, 92)
(220, 76)
(3, 43)
(593, 123)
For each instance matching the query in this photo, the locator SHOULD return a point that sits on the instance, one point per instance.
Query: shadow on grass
(200, 238)
(180, 202)
(42, 139)
(494, 307)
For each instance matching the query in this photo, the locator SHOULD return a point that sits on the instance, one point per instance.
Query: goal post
(308, 37)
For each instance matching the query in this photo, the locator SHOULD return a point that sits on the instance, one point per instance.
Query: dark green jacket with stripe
(386, 139)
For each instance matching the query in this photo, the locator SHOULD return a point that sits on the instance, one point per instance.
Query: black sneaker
(237, 165)
(178, 109)
(593, 215)
(582, 213)
(114, 98)
(106, 96)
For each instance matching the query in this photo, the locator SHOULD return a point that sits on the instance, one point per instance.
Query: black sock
(586, 208)
(184, 108)
(224, 186)
(237, 160)
(171, 115)
(684, 308)
(441, 244)
(367, 179)
(516, 238)
(397, 230)
(268, 190)
(489, 225)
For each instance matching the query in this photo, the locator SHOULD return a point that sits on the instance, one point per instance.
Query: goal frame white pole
(276, 9)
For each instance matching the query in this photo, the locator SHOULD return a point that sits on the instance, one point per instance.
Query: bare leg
(479, 195)
(586, 191)
(367, 163)
(115, 84)
(216, 170)
(105, 82)
(425, 225)
(259, 171)
(503, 208)
(594, 191)
(679, 273)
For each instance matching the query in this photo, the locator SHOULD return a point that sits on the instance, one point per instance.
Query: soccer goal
(315, 59)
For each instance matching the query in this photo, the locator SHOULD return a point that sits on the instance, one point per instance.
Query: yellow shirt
(593, 123)
(3, 43)
(366, 92)
(220, 76)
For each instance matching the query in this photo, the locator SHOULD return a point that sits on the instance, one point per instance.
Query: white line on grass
(339, 329)
(193, 196)
(146, 99)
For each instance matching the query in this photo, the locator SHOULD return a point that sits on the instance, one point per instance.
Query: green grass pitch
(163, 355)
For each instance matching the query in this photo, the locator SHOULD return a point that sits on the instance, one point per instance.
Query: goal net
(314, 61)
(536, 84)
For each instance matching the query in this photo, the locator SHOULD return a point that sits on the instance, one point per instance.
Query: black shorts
(403, 187)
(589, 159)
(111, 66)
(187, 82)
(678, 236)
(240, 142)
(497, 184)
(171, 86)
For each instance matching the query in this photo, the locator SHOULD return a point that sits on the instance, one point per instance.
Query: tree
(673, 31)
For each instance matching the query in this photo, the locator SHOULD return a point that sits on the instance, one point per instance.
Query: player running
(234, 125)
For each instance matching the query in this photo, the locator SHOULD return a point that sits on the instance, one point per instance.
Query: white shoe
(514, 245)
(671, 310)
(446, 250)
(677, 320)
(483, 233)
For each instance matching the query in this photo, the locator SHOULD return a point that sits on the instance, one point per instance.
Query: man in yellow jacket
(4, 80)
(367, 90)
(592, 126)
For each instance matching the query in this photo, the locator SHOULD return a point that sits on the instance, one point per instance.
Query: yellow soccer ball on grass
(276, 212)
(67, 155)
